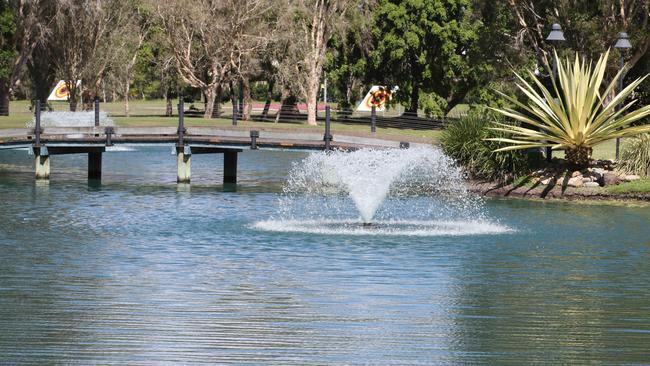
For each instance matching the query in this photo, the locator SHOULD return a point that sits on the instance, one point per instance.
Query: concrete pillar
(229, 167)
(42, 166)
(184, 164)
(95, 166)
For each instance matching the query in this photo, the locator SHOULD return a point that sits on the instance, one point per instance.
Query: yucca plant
(574, 116)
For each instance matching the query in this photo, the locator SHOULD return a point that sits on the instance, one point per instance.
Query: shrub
(635, 157)
(465, 140)
(572, 115)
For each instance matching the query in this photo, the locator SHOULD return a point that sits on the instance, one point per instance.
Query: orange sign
(376, 97)
(60, 91)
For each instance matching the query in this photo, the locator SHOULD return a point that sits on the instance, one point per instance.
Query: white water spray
(417, 191)
(71, 119)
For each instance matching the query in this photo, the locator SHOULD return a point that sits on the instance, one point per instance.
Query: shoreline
(555, 193)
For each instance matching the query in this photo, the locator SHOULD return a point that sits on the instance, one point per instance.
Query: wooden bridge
(47, 141)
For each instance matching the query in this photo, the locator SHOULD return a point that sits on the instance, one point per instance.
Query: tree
(128, 55)
(310, 24)
(211, 40)
(21, 27)
(425, 47)
(86, 33)
(590, 28)
(347, 65)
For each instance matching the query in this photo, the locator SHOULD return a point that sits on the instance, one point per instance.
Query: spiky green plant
(574, 116)
(466, 141)
(636, 155)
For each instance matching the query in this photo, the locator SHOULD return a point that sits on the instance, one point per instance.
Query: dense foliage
(635, 157)
(439, 53)
(466, 141)
(423, 46)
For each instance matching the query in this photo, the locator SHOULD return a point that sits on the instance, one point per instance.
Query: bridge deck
(79, 136)
(194, 140)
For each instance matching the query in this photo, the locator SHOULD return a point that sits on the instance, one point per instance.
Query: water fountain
(417, 191)
(72, 119)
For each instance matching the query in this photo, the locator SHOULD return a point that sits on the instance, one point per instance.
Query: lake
(140, 270)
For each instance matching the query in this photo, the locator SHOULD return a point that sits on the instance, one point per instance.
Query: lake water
(142, 271)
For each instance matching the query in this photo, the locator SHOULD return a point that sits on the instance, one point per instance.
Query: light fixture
(556, 33)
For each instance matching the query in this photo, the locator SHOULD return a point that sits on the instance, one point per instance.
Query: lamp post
(623, 44)
(555, 36)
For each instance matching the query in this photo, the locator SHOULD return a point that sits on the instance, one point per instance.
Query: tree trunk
(88, 99)
(216, 104)
(269, 99)
(4, 100)
(72, 98)
(285, 100)
(579, 157)
(126, 99)
(210, 94)
(312, 100)
(415, 100)
(168, 108)
(41, 72)
(248, 100)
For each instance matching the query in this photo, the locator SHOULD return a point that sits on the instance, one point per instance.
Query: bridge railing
(157, 111)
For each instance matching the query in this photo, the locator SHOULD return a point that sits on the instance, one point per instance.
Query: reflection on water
(142, 271)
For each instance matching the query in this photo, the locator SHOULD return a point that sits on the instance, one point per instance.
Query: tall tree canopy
(21, 29)
(423, 47)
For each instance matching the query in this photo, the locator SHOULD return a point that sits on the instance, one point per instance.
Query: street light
(623, 44)
(556, 36)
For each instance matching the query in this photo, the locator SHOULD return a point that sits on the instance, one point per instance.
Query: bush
(464, 141)
(432, 104)
(635, 157)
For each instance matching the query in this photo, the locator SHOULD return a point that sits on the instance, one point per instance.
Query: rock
(599, 171)
(575, 182)
(546, 181)
(631, 177)
(611, 178)
(587, 179)
(576, 174)
(592, 184)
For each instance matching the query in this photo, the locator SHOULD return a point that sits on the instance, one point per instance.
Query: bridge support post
(230, 168)
(184, 164)
(42, 164)
(94, 165)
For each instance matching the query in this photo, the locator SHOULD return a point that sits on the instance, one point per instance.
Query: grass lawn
(151, 113)
(606, 150)
(637, 186)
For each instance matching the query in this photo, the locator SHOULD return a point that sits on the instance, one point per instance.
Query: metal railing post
(240, 115)
(96, 111)
(181, 123)
(254, 136)
(37, 124)
(328, 135)
(373, 119)
(109, 131)
(234, 111)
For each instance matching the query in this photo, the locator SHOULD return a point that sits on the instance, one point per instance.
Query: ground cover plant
(636, 155)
